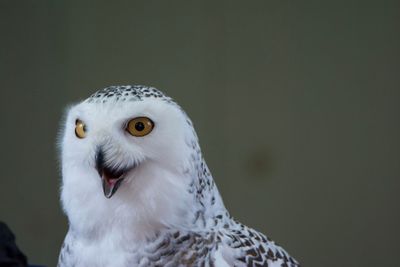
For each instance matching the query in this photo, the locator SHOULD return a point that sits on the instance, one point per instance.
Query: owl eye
(80, 129)
(140, 126)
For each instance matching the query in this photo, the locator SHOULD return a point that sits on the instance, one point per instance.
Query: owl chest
(99, 254)
(185, 251)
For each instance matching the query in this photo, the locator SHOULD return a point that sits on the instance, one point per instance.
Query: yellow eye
(80, 129)
(140, 126)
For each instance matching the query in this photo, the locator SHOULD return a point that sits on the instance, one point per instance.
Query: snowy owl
(137, 191)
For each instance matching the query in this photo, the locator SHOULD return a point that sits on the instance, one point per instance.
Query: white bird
(137, 191)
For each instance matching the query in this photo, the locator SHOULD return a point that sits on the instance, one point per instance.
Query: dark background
(296, 106)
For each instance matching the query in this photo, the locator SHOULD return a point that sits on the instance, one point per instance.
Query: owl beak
(111, 178)
(111, 182)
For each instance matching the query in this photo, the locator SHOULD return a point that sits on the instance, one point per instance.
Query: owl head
(128, 154)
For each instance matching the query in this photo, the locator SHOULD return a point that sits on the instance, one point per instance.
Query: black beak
(111, 178)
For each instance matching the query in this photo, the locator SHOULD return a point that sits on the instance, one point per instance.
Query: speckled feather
(208, 237)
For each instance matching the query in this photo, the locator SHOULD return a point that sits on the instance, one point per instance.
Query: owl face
(114, 143)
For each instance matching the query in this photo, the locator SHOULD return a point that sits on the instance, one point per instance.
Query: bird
(137, 191)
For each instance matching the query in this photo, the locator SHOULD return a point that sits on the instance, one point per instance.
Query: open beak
(111, 178)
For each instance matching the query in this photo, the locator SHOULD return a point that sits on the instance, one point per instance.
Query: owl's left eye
(140, 126)
(80, 129)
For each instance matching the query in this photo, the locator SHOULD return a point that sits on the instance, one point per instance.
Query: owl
(137, 190)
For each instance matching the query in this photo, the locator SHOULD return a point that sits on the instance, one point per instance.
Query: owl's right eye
(80, 129)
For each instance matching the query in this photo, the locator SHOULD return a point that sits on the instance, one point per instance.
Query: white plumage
(137, 191)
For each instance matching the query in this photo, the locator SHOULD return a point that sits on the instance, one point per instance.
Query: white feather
(169, 192)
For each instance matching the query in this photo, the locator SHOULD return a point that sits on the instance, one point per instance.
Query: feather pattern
(168, 211)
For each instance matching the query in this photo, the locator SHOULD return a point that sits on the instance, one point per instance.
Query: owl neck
(206, 207)
(209, 208)
(157, 199)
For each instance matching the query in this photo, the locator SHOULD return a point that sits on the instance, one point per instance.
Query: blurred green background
(296, 105)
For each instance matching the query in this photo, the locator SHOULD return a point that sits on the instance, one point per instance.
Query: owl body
(137, 191)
